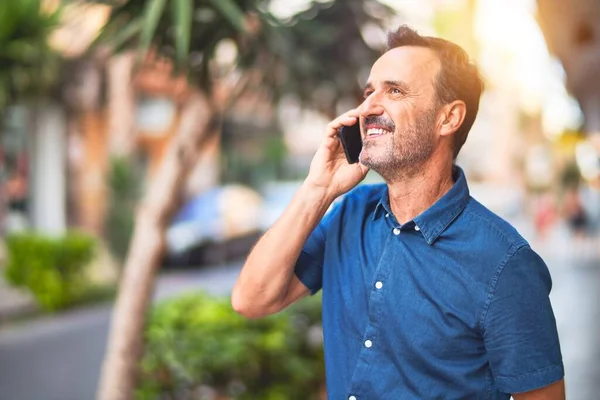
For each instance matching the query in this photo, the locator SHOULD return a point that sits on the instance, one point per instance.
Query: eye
(396, 91)
(367, 93)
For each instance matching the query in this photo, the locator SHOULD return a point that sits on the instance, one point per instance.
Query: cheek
(403, 113)
(404, 122)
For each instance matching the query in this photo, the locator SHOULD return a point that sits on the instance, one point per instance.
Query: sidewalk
(14, 302)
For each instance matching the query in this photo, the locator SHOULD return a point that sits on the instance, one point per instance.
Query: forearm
(264, 284)
(555, 391)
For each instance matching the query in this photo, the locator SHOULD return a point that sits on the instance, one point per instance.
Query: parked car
(214, 227)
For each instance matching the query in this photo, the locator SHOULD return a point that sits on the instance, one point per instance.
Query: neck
(411, 194)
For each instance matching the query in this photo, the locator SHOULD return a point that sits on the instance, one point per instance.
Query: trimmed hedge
(53, 269)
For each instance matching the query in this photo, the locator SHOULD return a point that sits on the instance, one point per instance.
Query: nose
(371, 106)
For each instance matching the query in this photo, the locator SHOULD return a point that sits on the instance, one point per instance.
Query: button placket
(369, 352)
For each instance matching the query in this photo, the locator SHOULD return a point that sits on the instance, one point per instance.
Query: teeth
(376, 132)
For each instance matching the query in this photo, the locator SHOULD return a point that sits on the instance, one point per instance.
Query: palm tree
(28, 65)
(322, 47)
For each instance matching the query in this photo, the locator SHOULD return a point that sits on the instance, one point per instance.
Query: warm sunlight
(514, 55)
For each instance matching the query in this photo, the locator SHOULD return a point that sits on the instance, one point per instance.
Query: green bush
(53, 269)
(124, 187)
(197, 347)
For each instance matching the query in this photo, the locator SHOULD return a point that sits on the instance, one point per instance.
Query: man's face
(398, 116)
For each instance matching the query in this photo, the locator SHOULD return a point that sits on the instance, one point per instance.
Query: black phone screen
(351, 142)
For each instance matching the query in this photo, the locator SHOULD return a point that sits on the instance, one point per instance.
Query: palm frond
(182, 18)
(153, 12)
(28, 65)
(231, 11)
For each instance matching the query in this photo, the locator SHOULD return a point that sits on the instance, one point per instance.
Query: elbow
(243, 306)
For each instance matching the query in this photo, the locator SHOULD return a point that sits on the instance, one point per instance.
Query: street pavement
(59, 357)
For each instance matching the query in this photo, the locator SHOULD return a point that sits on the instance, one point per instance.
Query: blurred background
(196, 120)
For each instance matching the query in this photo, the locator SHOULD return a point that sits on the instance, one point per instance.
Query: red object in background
(545, 215)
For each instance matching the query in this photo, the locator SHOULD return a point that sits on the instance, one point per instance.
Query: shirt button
(352, 398)
(417, 228)
(387, 215)
(378, 285)
(368, 344)
(396, 231)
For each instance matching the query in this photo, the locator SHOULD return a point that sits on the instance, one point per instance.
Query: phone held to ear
(351, 142)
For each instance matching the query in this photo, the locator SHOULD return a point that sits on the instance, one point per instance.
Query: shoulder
(355, 205)
(511, 252)
(488, 225)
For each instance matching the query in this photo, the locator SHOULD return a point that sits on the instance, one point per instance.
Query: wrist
(317, 196)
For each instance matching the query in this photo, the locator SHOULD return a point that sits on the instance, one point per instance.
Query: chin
(371, 155)
(372, 162)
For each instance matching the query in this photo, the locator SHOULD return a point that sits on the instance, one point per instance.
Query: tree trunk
(121, 104)
(126, 334)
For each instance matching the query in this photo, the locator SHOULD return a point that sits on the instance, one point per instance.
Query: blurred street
(59, 358)
(576, 300)
(575, 297)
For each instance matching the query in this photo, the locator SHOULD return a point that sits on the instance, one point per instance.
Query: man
(426, 293)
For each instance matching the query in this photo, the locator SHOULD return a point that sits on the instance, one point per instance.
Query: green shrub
(197, 344)
(53, 269)
(124, 187)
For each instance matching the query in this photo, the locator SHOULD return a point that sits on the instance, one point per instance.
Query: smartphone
(351, 142)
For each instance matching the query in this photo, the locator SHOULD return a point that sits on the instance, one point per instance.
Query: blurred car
(276, 197)
(216, 226)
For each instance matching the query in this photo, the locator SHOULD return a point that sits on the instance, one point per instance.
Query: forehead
(414, 65)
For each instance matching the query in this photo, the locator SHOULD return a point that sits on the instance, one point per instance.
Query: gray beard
(406, 152)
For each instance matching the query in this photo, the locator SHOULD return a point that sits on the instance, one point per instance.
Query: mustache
(381, 121)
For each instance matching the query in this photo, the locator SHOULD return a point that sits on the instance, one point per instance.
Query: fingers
(347, 119)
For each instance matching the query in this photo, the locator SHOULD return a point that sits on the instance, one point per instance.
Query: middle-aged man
(426, 293)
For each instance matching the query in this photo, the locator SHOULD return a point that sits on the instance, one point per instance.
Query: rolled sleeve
(310, 272)
(519, 327)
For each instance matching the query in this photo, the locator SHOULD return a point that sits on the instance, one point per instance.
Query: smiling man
(426, 293)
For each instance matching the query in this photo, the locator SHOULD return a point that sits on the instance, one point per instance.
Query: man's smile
(373, 132)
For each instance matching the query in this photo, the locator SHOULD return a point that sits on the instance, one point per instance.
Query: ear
(453, 116)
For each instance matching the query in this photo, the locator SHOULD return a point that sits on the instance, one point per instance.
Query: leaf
(152, 13)
(132, 29)
(231, 12)
(182, 16)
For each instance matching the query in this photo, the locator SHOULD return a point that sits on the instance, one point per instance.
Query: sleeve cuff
(530, 381)
(309, 272)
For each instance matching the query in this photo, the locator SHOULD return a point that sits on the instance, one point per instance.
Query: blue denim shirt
(451, 305)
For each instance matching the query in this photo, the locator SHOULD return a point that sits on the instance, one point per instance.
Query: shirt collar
(434, 221)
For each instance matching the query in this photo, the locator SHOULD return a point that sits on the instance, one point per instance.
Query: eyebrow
(399, 84)
(391, 83)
